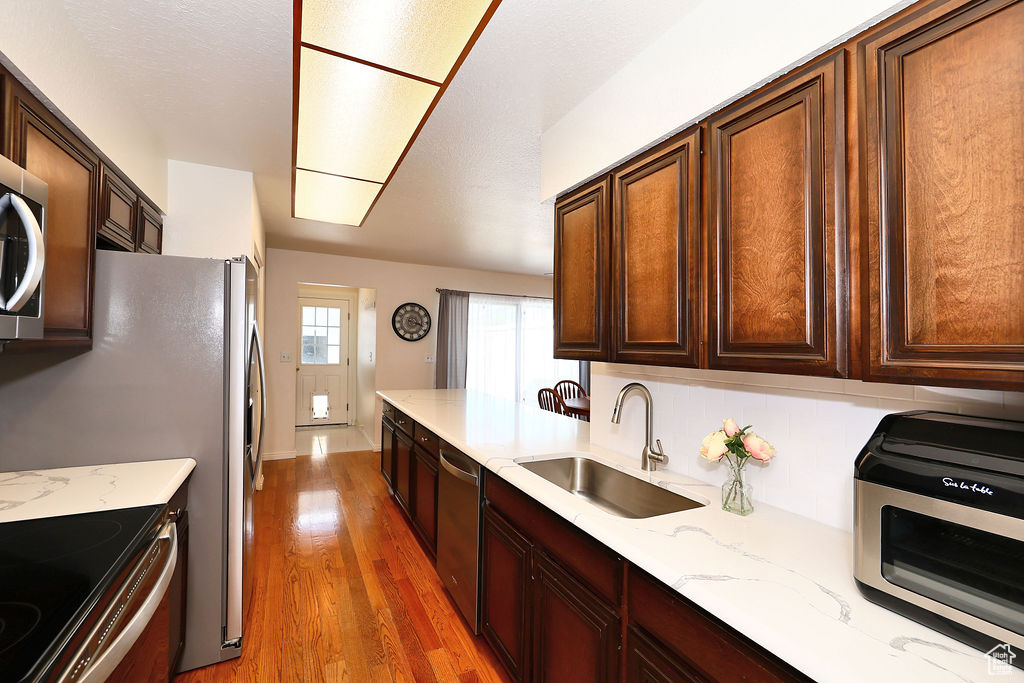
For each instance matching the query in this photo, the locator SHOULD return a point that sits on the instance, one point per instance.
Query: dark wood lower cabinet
(424, 501)
(647, 661)
(387, 452)
(403, 470)
(504, 592)
(555, 603)
(575, 634)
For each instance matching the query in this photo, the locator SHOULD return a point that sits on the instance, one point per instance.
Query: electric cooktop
(54, 572)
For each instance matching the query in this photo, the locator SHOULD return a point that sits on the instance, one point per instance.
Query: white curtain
(511, 341)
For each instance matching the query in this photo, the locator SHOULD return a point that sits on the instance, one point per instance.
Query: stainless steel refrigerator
(176, 370)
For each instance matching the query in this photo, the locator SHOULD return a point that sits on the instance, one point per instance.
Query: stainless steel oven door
(960, 562)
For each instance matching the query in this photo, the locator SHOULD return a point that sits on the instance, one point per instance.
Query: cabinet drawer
(701, 643)
(591, 561)
(404, 422)
(388, 411)
(426, 440)
(117, 211)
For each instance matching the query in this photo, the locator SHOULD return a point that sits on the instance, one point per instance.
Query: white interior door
(321, 395)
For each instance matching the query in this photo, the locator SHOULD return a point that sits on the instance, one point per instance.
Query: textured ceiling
(213, 79)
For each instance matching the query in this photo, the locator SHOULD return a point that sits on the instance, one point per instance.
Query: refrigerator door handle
(36, 254)
(258, 349)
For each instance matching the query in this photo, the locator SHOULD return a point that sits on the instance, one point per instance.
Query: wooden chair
(567, 388)
(550, 400)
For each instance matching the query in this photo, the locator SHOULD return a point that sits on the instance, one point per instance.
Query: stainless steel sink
(609, 489)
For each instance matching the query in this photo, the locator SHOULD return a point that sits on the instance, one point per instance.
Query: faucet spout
(650, 456)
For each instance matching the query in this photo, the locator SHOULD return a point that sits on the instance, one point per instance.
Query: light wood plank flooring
(343, 591)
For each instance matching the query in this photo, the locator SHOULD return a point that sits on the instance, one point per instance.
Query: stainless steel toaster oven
(939, 524)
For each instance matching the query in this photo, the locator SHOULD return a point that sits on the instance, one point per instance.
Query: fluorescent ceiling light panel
(419, 37)
(355, 120)
(331, 199)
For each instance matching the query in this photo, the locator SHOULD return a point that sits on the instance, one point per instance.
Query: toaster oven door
(959, 562)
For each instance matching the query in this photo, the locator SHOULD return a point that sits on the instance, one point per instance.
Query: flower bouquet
(737, 446)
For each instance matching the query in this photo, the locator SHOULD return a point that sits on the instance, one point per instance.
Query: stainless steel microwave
(22, 252)
(939, 524)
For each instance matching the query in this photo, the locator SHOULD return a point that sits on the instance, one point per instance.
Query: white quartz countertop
(784, 581)
(32, 494)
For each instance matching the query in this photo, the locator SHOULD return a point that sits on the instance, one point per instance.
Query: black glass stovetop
(52, 573)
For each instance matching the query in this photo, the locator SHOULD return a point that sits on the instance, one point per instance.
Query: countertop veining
(31, 494)
(784, 581)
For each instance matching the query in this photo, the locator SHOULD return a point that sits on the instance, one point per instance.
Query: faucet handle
(660, 451)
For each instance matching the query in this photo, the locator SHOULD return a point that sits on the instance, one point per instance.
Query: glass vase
(737, 493)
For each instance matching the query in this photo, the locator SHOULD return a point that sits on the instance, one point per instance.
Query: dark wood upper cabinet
(777, 227)
(656, 263)
(943, 150)
(150, 229)
(47, 149)
(118, 220)
(582, 265)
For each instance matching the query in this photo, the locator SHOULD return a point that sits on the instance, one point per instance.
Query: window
(321, 335)
(511, 346)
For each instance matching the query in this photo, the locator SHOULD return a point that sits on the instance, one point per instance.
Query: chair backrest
(549, 400)
(567, 388)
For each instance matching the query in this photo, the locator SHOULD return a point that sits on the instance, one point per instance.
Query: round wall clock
(411, 322)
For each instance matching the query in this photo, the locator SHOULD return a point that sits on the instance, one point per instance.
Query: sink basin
(613, 491)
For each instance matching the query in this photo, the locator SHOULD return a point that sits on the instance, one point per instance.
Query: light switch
(429, 358)
(286, 356)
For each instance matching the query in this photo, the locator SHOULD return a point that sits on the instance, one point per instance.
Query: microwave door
(22, 257)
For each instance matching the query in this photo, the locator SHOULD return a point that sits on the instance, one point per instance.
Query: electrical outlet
(286, 356)
(429, 358)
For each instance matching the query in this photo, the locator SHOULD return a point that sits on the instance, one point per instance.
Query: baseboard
(375, 445)
(281, 455)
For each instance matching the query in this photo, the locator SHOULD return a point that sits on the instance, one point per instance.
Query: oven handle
(36, 254)
(108, 658)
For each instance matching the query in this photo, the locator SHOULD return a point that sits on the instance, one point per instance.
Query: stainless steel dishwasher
(459, 498)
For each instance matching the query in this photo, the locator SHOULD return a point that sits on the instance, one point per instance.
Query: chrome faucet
(650, 457)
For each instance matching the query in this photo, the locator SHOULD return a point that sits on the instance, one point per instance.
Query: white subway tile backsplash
(818, 425)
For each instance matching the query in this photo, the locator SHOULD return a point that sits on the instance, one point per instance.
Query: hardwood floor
(342, 589)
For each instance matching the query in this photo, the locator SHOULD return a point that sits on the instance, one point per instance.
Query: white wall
(717, 52)
(40, 43)
(817, 425)
(211, 213)
(399, 364)
(366, 362)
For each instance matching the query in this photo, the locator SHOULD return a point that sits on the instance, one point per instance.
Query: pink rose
(730, 426)
(758, 448)
(713, 447)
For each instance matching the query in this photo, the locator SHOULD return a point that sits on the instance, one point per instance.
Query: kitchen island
(781, 580)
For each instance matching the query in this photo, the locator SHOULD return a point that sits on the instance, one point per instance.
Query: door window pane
(321, 335)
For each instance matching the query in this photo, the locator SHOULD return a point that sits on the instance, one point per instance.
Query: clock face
(411, 322)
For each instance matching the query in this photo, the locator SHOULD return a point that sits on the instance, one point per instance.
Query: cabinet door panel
(776, 217)
(650, 662)
(425, 498)
(575, 635)
(403, 470)
(387, 452)
(151, 229)
(582, 273)
(944, 111)
(504, 592)
(71, 171)
(656, 245)
(117, 220)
